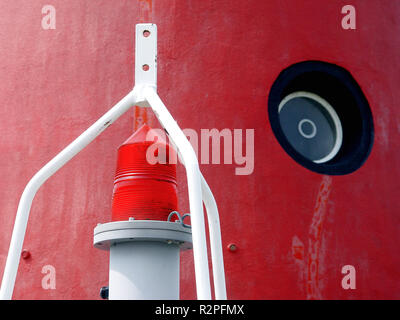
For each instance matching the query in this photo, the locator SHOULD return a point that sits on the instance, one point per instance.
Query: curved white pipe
(217, 257)
(21, 220)
(191, 164)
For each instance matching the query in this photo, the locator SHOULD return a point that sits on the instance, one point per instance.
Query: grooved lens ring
(308, 122)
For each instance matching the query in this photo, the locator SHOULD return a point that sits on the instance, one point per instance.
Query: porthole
(321, 118)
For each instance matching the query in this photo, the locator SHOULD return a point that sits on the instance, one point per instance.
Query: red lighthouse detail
(144, 190)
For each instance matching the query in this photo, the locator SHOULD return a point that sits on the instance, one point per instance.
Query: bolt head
(232, 247)
(25, 254)
(104, 292)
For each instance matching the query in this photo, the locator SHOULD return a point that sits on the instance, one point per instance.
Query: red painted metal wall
(294, 229)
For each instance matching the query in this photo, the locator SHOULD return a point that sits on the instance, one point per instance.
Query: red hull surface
(294, 229)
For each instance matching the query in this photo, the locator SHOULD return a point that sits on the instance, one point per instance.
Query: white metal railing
(144, 94)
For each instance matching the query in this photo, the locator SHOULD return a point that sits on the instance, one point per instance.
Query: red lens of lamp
(144, 190)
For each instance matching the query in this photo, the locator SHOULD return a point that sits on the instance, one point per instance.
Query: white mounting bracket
(144, 94)
(146, 55)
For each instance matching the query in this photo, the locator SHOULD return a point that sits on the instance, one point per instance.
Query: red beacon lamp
(144, 243)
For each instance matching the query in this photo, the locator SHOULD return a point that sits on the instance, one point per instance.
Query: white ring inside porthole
(313, 132)
(311, 125)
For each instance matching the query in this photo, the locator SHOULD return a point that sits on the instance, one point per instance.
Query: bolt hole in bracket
(143, 94)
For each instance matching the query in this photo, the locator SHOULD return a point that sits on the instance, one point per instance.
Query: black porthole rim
(278, 92)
